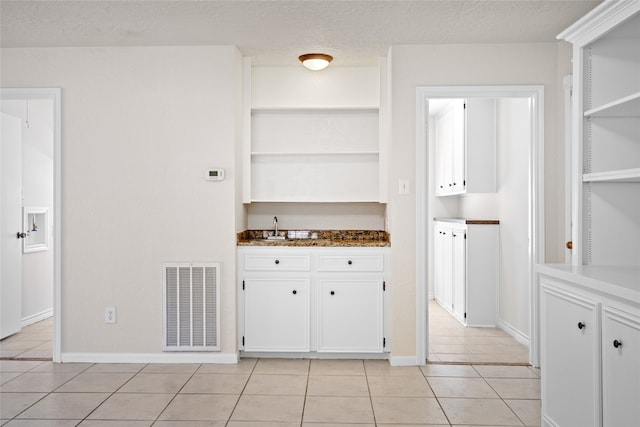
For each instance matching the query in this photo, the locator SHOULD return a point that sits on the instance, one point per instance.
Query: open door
(11, 225)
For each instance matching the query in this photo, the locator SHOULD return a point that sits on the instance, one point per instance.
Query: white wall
(509, 205)
(37, 183)
(476, 64)
(140, 127)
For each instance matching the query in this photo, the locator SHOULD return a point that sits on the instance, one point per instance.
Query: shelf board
(316, 153)
(624, 175)
(629, 106)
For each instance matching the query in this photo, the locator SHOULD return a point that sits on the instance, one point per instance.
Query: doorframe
(54, 94)
(535, 94)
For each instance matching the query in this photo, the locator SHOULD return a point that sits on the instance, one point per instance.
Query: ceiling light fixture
(315, 61)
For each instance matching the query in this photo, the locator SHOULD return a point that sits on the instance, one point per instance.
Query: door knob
(21, 235)
(569, 245)
(617, 343)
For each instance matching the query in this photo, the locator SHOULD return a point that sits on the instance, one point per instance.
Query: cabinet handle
(617, 344)
(277, 261)
(334, 292)
(454, 184)
(349, 262)
(294, 292)
(581, 325)
(569, 245)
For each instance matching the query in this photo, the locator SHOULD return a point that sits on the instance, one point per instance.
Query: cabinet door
(570, 355)
(277, 314)
(459, 273)
(458, 171)
(438, 259)
(350, 315)
(447, 268)
(444, 134)
(620, 368)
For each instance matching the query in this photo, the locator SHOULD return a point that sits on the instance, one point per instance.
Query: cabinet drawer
(350, 263)
(277, 262)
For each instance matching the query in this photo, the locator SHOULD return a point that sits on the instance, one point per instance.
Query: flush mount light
(315, 61)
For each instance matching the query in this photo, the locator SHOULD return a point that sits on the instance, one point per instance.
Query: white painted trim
(567, 84)
(516, 334)
(536, 196)
(35, 318)
(181, 357)
(56, 95)
(405, 361)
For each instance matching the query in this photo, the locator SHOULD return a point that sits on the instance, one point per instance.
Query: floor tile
(263, 424)
(89, 382)
(116, 367)
(244, 366)
(216, 384)
(490, 371)
(115, 423)
(190, 424)
(42, 423)
(324, 409)
(380, 368)
(269, 408)
(492, 412)
(516, 388)
(399, 386)
(286, 385)
(132, 406)
(64, 406)
(200, 407)
(62, 367)
(18, 365)
(282, 366)
(170, 368)
(337, 385)
(337, 367)
(8, 376)
(11, 404)
(37, 382)
(529, 411)
(155, 383)
(407, 410)
(433, 370)
(461, 387)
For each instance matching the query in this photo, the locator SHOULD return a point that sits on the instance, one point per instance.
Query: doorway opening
(30, 253)
(516, 204)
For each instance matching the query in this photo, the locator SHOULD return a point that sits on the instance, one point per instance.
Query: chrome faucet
(275, 224)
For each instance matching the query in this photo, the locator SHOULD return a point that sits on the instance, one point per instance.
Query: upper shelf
(625, 175)
(629, 106)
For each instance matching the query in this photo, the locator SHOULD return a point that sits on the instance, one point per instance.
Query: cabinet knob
(454, 183)
(617, 344)
(581, 325)
(277, 261)
(294, 292)
(349, 262)
(569, 245)
(334, 292)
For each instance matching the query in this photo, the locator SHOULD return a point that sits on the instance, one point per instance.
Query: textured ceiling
(275, 32)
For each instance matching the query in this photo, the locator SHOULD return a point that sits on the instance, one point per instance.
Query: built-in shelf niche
(36, 228)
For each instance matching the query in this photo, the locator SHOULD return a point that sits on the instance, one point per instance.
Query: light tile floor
(32, 342)
(267, 393)
(451, 342)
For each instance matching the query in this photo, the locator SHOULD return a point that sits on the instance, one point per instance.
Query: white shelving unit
(314, 137)
(590, 310)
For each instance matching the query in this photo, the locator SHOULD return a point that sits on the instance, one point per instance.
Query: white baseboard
(181, 357)
(35, 318)
(519, 336)
(404, 361)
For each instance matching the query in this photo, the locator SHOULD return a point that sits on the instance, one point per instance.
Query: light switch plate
(403, 187)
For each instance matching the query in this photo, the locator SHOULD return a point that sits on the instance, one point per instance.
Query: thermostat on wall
(214, 175)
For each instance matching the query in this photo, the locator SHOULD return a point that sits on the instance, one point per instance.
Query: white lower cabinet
(277, 312)
(590, 352)
(466, 270)
(350, 314)
(312, 300)
(570, 358)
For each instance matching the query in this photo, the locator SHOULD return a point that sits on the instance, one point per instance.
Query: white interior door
(11, 225)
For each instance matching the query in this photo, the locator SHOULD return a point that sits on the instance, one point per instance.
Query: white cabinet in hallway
(466, 271)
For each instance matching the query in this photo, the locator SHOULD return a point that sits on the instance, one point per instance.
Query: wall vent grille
(191, 307)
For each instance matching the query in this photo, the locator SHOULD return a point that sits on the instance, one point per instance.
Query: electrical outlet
(110, 315)
(403, 186)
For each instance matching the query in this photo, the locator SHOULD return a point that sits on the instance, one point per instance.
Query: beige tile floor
(451, 342)
(32, 342)
(267, 393)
